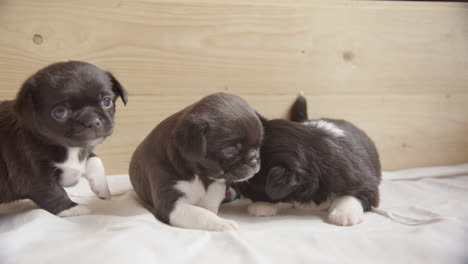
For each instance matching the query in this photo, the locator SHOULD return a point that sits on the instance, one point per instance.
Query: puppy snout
(93, 123)
(253, 162)
(253, 157)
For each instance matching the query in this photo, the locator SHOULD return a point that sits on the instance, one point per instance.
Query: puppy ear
(262, 118)
(190, 138)
(280, 182)
(118, 88)
(24, 104)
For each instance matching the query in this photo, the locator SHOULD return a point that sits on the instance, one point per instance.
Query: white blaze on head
(327, 126)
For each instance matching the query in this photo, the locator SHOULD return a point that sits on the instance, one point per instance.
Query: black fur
(306, 163)
(298, 112)
(32, 140)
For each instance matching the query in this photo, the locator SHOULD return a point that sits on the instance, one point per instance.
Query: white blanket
(122, 231)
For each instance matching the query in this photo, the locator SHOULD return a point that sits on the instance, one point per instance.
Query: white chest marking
(327, 126)
(193, 190)
(198, 207)
(195, 193)
(72, 168)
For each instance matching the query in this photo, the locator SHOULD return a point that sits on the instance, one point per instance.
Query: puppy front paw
(96, 176)
(101, 190)
(222, 225)
(346, 211)
(345, 218)
(75, 211)
(262, 209)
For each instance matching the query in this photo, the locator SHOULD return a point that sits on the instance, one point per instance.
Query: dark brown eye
(60, 113)
(106, 102)
(230, 152)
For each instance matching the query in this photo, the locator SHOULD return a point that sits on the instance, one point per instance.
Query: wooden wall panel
(399, 70)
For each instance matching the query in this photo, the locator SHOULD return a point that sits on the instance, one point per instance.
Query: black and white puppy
(326, 163)
(182, 167)
(48, 132)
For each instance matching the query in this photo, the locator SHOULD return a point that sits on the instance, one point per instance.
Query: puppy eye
(106, 102)
(60, 113)
(230, 152)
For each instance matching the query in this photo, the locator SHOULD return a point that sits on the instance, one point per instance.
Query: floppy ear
(24, 104)
(118, 88)
(262, 118)
(191, 138)
(280, 182)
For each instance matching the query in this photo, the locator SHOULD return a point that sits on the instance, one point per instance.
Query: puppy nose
(95, 122)
(253, 162)
(252, 154)
(252, 157)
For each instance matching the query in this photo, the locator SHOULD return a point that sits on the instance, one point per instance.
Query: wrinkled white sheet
(122, 231)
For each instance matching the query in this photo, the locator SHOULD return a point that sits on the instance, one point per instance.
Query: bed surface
(122, 231)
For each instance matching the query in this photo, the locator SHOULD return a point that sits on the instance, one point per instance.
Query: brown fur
(196, 140)
(31, 140)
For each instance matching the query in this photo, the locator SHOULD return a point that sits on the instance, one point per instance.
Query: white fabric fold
(123, 231)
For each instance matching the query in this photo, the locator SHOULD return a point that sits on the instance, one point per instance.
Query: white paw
(194, 217)
(345, 218)
(75, 211)
(222, 225)
(101, 190)
(346, 211)
(96, 176)
(214, 195)
(262, 209)
(302, 206)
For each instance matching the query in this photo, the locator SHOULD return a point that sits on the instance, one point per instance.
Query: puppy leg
(6, 191)
(96, 175)
(187, 215)
(55, 200)
(230, 195)
(346, 211)
(262, 209)
(215, 194)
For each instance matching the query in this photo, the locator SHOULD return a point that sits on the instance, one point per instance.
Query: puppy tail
(298, 111)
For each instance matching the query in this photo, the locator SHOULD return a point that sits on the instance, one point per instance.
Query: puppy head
(281, 181)
(70, 103)
(285, 172)
(222, 135)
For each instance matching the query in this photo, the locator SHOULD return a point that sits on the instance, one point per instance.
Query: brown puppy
(47, 135)
(181, 169)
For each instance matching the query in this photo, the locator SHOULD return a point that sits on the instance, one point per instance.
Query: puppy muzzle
(243, 173)
(90, 128)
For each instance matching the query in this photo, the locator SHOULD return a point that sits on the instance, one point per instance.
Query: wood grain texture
(398, 70)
